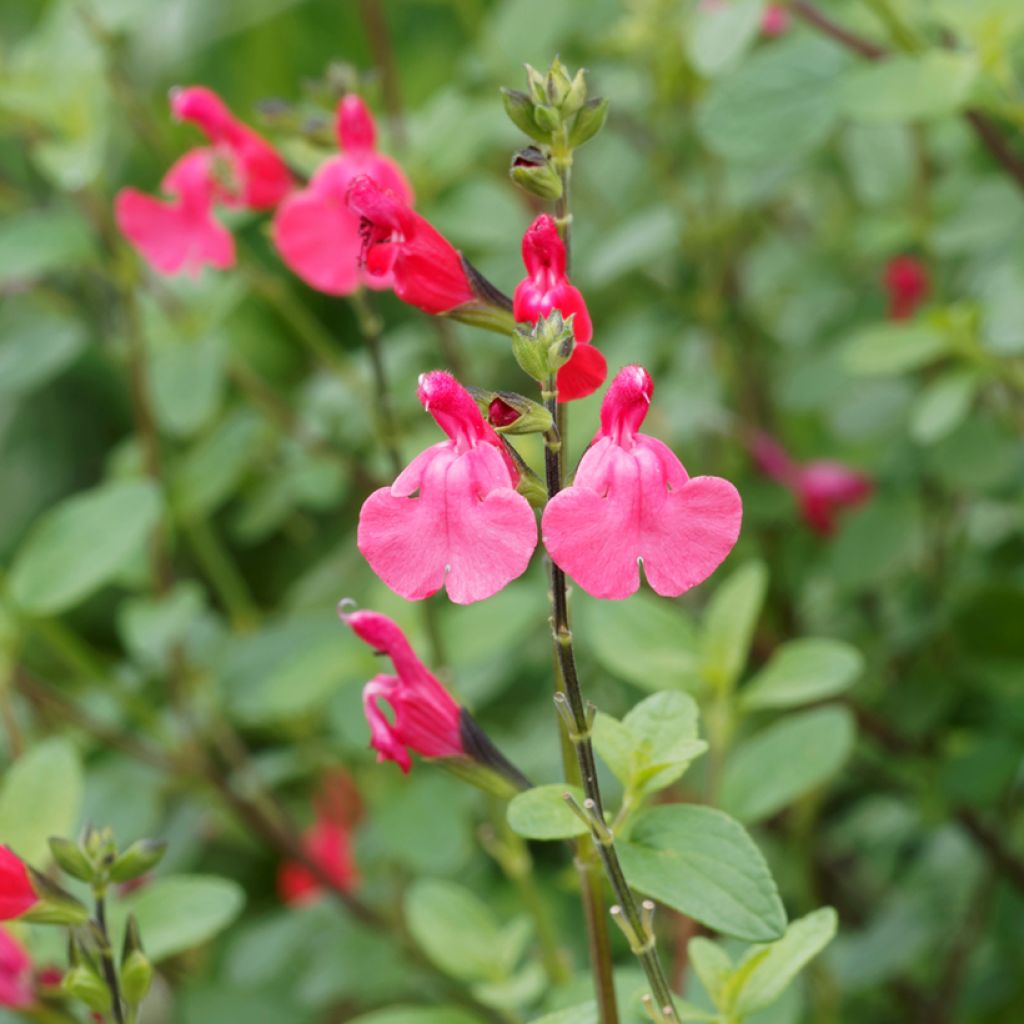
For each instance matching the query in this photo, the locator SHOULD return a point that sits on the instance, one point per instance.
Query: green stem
(899, 32)
(222, 573)
(107, 958)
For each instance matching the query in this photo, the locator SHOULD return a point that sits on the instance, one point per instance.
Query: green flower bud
(519, 108)
(136, 976)
(557, 84)
(537, 83)
(532, 172)
(577, 94)
(589, 121)
(70, 858)
(83, 983)
(548, 119)
(55, 906)
(140, 857)
(510, 413)
(531, 357)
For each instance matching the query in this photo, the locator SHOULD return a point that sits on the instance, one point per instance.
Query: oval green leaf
(542, 813)
(803, 671)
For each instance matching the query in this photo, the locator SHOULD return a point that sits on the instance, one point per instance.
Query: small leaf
(713, 966)
(41, 797)
(702, 863)
(721, 33)
(82, 544)
(37, 344)
(909, 87)
(39, 242)
(893, 348)
(728, 626)
(784, 761)
(542, 813)
(181, 911)
(764, 973)
(802, 671)
(456, 929)
(943, 405)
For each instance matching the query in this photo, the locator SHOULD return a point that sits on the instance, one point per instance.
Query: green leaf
(456, 930)
(542, 813)
(36, 344)
(727, 629)
(82, 544)
(418, 1015)
(777, 765)
(778, 106)
(181, 911)
(702, 863)
(41, 797)
(644, 640)
(637, 242)
(889, 348)
(186, 381)
(38, 242)
(943, 405)
(764, 973)
(151, 627)
(909, 87)
(653, 745)
(802, 671)
(722, 33)
(713, 966)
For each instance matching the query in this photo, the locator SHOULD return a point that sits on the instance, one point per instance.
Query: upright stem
(107, 959)
(579, 717)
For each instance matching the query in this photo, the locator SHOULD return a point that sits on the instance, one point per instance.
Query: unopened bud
(538, 86)
(577, 94)
(54, 906)
(547, 118)
(545, 348)
(70, 858)
(83, 983)
(136, 976)
(589, 121)
(519, 108)
(557, 83)
(140, 857)
(532, 171)
(510, 413)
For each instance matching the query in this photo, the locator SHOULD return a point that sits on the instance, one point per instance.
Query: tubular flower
(328, 843)
(181, 234)
(774, 21)
(426, 718)
(427, 271)
(16, 892)
(545, 289)
(16, 987)
(632, 501)
(453, 517)
(316, 233)
(822, 487)
(908, 283)
(261, 178)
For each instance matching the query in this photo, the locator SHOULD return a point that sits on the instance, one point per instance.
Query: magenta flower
(822, 487)
(181, 234)
(774, 21)
(16, 988)
(907, 281)
(453, 517)
(316, 233)
(17, 894)
(632, 501)
(426, 718)
(545, 289)
(260, 177)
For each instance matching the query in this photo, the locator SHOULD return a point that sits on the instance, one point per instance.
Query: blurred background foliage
(732, 229)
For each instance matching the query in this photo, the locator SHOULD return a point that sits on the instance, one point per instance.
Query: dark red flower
(545, 289)
(908, 283)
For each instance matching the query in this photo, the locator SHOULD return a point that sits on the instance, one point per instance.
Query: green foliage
(542, 813)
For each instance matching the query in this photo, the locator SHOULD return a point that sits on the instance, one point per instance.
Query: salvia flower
(545, 289)
(17, 894)
(774, 21)
(328, 843)
(16, 981)
(632, 502)
(822, 487)
(260, 178)
(426, 269)
(316, 233)
(453, 517)
(424, 716)
(907, 281)
(179, 234)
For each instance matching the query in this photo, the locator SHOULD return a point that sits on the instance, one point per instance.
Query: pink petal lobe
(583, 374)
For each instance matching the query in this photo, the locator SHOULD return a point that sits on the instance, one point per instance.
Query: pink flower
(545, 289)
(316, 233)
(822, 487)
(16, 892)
(908, 283)
(453, 517)
(261, 178)
(328, 843)
(16, 989)
(182, 234)
(632, 501)
(427, 270)
(774, 21)
(426, 718)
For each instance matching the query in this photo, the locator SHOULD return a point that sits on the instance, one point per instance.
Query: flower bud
(532, 172)
(589, 121)
(510, 413)
(543, 349)
(519, 108)
(532, 488)
(85, 984)
(557, 83)
(70, 858)
(577, 94)
(547, 118)
(136, 977)
(140, 857)
(531, 357)
(538, 86)
(55, 906)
